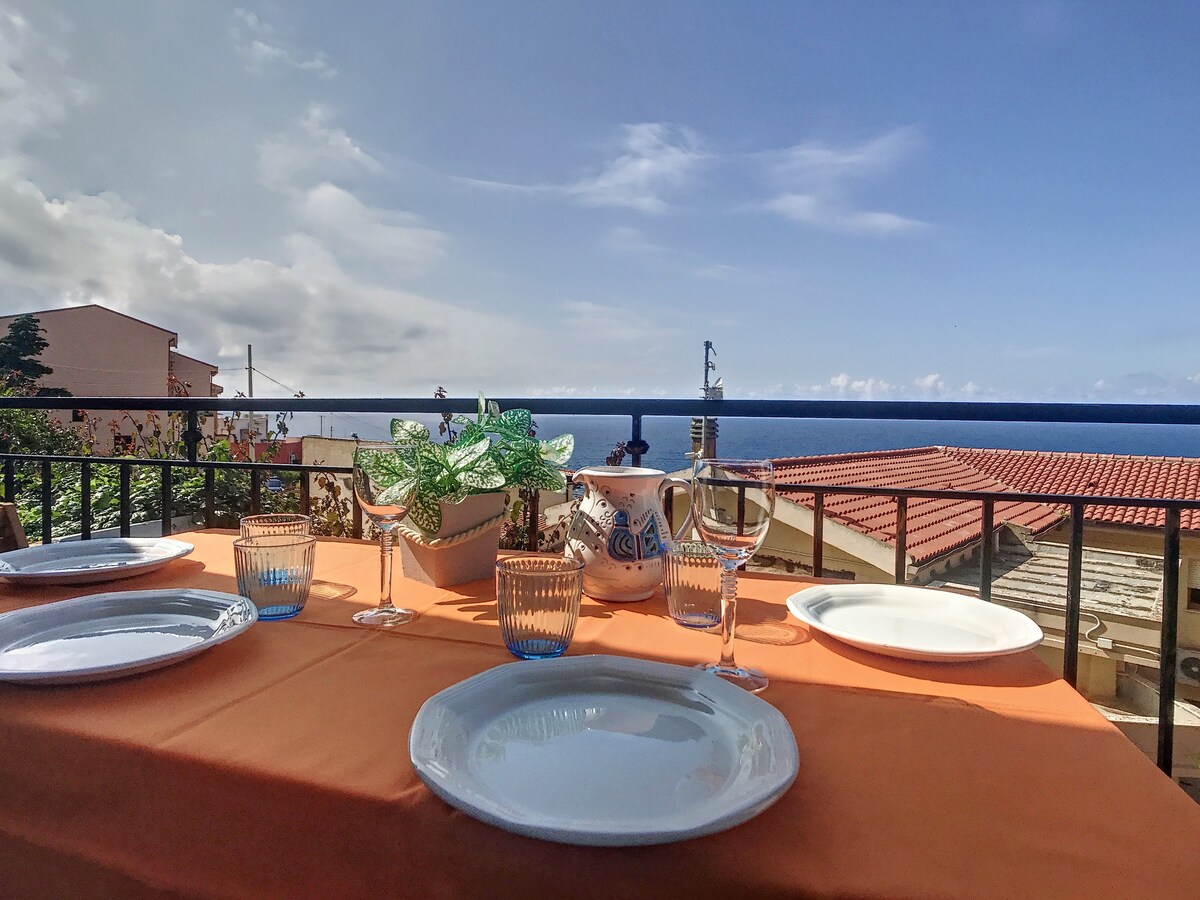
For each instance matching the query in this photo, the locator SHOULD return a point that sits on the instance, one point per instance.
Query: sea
(670, 440)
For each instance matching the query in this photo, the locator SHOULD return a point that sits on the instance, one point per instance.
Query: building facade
(98, 352)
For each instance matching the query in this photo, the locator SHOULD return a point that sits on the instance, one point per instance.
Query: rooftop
(933, 527)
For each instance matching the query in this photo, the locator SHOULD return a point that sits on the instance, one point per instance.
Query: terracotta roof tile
(1099, 474)
(935, 527)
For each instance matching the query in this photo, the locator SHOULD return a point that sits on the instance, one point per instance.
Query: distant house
(98, 352)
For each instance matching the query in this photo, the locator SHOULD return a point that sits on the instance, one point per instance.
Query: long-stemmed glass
(385, 506)
(732, 504)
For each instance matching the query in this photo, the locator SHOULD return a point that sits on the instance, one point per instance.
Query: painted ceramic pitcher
(619, 530)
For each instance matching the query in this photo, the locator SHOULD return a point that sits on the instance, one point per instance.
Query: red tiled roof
(932, 527)
(935, 527)
(1095, 474)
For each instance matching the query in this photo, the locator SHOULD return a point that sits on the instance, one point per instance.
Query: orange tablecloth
(276, 765)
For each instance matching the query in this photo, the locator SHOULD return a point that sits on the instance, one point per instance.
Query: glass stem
(728, 612)
(385, 568)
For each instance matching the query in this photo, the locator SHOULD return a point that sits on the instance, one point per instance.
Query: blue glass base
(536, 648)
(275, 613)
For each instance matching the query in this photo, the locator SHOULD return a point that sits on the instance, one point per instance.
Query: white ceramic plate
(914, 623)
(89, 562)
(603, 750)
(120, 633)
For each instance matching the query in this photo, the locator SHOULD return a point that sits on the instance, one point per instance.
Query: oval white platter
(90, 562)
(914, 623)
(110, 635)
(603, 750)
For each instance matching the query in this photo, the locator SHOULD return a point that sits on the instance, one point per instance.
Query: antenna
(709, 365)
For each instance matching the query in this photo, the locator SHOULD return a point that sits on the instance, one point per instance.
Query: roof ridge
(1067, 454)
(896, 453)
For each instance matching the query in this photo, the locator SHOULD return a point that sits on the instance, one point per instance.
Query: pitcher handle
(669, 482)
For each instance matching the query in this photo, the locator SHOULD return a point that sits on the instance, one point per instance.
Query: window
(1193, 585)
(78, 415)
(122, 443)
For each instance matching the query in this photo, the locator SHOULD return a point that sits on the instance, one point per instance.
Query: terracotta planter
(446, 562)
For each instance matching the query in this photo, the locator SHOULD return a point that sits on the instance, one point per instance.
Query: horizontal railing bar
(975, 496)
(177, 461)
(914, 410)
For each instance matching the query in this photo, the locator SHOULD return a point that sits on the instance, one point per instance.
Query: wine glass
(385, 507)
(732, 504)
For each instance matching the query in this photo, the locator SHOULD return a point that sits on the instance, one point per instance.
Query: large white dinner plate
(913, 622)
(603, 750)
(118, 633)
(89, 562)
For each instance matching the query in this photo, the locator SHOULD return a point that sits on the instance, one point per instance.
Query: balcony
(983, 569)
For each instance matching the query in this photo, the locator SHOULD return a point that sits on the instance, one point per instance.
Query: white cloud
(312, 149)
(657, 159)
(299, 165)
(605, 324)
(718, 271)
(817, 181)
(263, 50)
(822, 213)
(36, 91)
(624, 239)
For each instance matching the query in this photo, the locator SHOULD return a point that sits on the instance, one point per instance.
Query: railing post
(985, 551)
(1168, 650)
(636, 446)
(123, 493)
(255, 491)
(166, 499)
(356, 516)
(47, 502)
(901, 565)
(210, 497)
(741, 513)
(192, 435)
(10, 481)
(531, 519)
(1074, 588)
(818, 536)
(305, 494)
(85, 500)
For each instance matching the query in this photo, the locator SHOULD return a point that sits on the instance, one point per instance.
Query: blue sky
(879, 200)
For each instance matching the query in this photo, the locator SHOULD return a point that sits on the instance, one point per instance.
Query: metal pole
(250, 373)
(1168, 651)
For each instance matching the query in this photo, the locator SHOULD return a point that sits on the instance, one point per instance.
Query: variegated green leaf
(485, 475)
(385, 466)
(483, 405)
(515, 422)
(471, 432)
(545, 479)
(462, 455)
(405, 431)
(426, 513)
(398, 494)
(557, 451)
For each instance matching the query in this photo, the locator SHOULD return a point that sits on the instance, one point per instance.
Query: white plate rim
(800, 602)
(177, 550)
(782, 736)
(106, 672)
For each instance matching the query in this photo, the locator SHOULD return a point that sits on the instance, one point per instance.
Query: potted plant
(462, 487)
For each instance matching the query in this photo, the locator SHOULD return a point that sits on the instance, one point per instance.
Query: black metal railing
(636, 410)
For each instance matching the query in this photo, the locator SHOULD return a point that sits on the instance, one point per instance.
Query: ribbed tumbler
(275, 523)
(537, 600)
(275, 571)
(692, 582)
